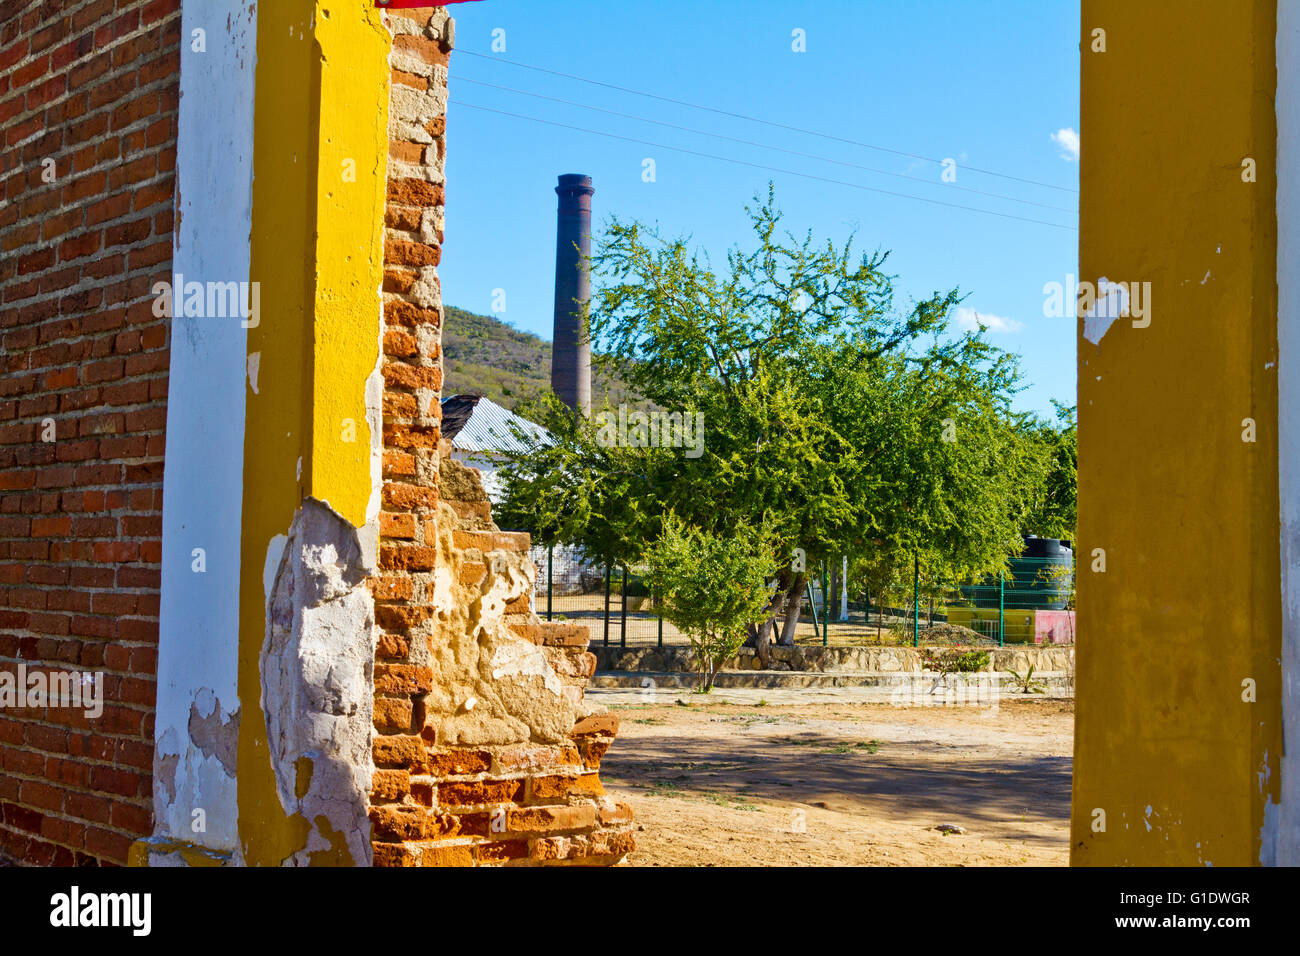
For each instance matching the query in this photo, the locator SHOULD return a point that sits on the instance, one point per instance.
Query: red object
(401, 4)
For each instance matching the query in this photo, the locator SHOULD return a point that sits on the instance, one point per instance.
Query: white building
(483, 435)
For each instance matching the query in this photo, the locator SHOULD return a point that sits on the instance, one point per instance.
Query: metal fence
(614, 602)
(1031, 604)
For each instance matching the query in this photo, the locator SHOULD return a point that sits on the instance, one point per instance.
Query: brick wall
(485, 752)
(91, 86)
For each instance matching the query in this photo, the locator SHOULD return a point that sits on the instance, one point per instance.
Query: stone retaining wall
(833, 660)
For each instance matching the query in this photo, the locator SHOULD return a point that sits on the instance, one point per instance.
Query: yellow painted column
(1178, 686)
(318, 193)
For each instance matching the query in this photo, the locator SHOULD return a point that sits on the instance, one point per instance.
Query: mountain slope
(485, 356)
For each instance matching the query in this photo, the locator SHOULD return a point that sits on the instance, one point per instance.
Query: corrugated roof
(489, 430)
(456, 410)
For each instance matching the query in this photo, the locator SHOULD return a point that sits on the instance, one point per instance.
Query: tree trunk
(763, 637)
(760, 635)
(793, 605)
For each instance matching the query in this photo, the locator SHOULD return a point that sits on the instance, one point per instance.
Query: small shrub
(1027, 684)
(714, 587)
(953, 660)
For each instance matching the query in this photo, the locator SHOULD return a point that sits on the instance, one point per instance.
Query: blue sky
(990, 85)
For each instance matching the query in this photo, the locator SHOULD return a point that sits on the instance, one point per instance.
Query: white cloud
(1068, 139)
(968, 320)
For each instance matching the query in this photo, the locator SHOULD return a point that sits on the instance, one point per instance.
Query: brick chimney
(571, 350)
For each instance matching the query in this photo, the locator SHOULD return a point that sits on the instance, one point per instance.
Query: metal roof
(456, 410)
(488, 429)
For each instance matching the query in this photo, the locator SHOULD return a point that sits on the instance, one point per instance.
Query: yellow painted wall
(1019, 623)
(1187, 513)
(322, 96)
(352, 144)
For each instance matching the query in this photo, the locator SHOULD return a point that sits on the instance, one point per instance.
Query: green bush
(713, 587)
(954, 660)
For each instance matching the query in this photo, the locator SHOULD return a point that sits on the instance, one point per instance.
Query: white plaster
(203, 478)
(1110, 303)
(274, 551)
(523, 659)
(317, 670)
(374, 398)
(1280, 834)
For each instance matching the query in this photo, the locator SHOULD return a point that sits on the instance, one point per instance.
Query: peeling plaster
(206, 411)
(210, 733)
(475, 656)
(1105, 309)
(165, 772)
(194, 769)
(375, 419)
(317, 668)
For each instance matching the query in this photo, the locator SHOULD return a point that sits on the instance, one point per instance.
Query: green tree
(714, 588)
(827, 414)
(1053, 513)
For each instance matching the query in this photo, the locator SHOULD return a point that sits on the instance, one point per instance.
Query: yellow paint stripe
(322, 91)
(353, 142)
(1189, 605)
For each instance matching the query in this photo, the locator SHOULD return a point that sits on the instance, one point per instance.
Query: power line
(750, 142)
(773, 169)
(755, 119)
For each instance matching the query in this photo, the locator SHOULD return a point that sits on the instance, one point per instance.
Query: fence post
(812, 605)
(1002, 617)
(826, 607)
(607, 605)
(915, 601)
(844, 589)
(659, 607)
(622, 624)
(550, 579)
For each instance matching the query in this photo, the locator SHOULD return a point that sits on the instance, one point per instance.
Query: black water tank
(1040, 578)
(1041, 575)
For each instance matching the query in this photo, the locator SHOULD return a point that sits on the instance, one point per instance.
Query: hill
(482, 355)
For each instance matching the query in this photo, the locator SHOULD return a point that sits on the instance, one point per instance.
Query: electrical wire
(754, 119)
(750, 142)
(774, 169)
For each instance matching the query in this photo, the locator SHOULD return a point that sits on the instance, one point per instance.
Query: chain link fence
(1033, 603)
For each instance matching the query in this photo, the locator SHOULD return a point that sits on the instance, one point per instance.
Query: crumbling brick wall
(485, 751)
(88, 100)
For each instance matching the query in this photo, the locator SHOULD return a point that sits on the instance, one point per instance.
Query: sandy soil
(842, 781)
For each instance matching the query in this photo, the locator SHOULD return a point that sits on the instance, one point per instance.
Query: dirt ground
(773, 780)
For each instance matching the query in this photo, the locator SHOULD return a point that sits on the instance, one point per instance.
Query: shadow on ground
(973, 781)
